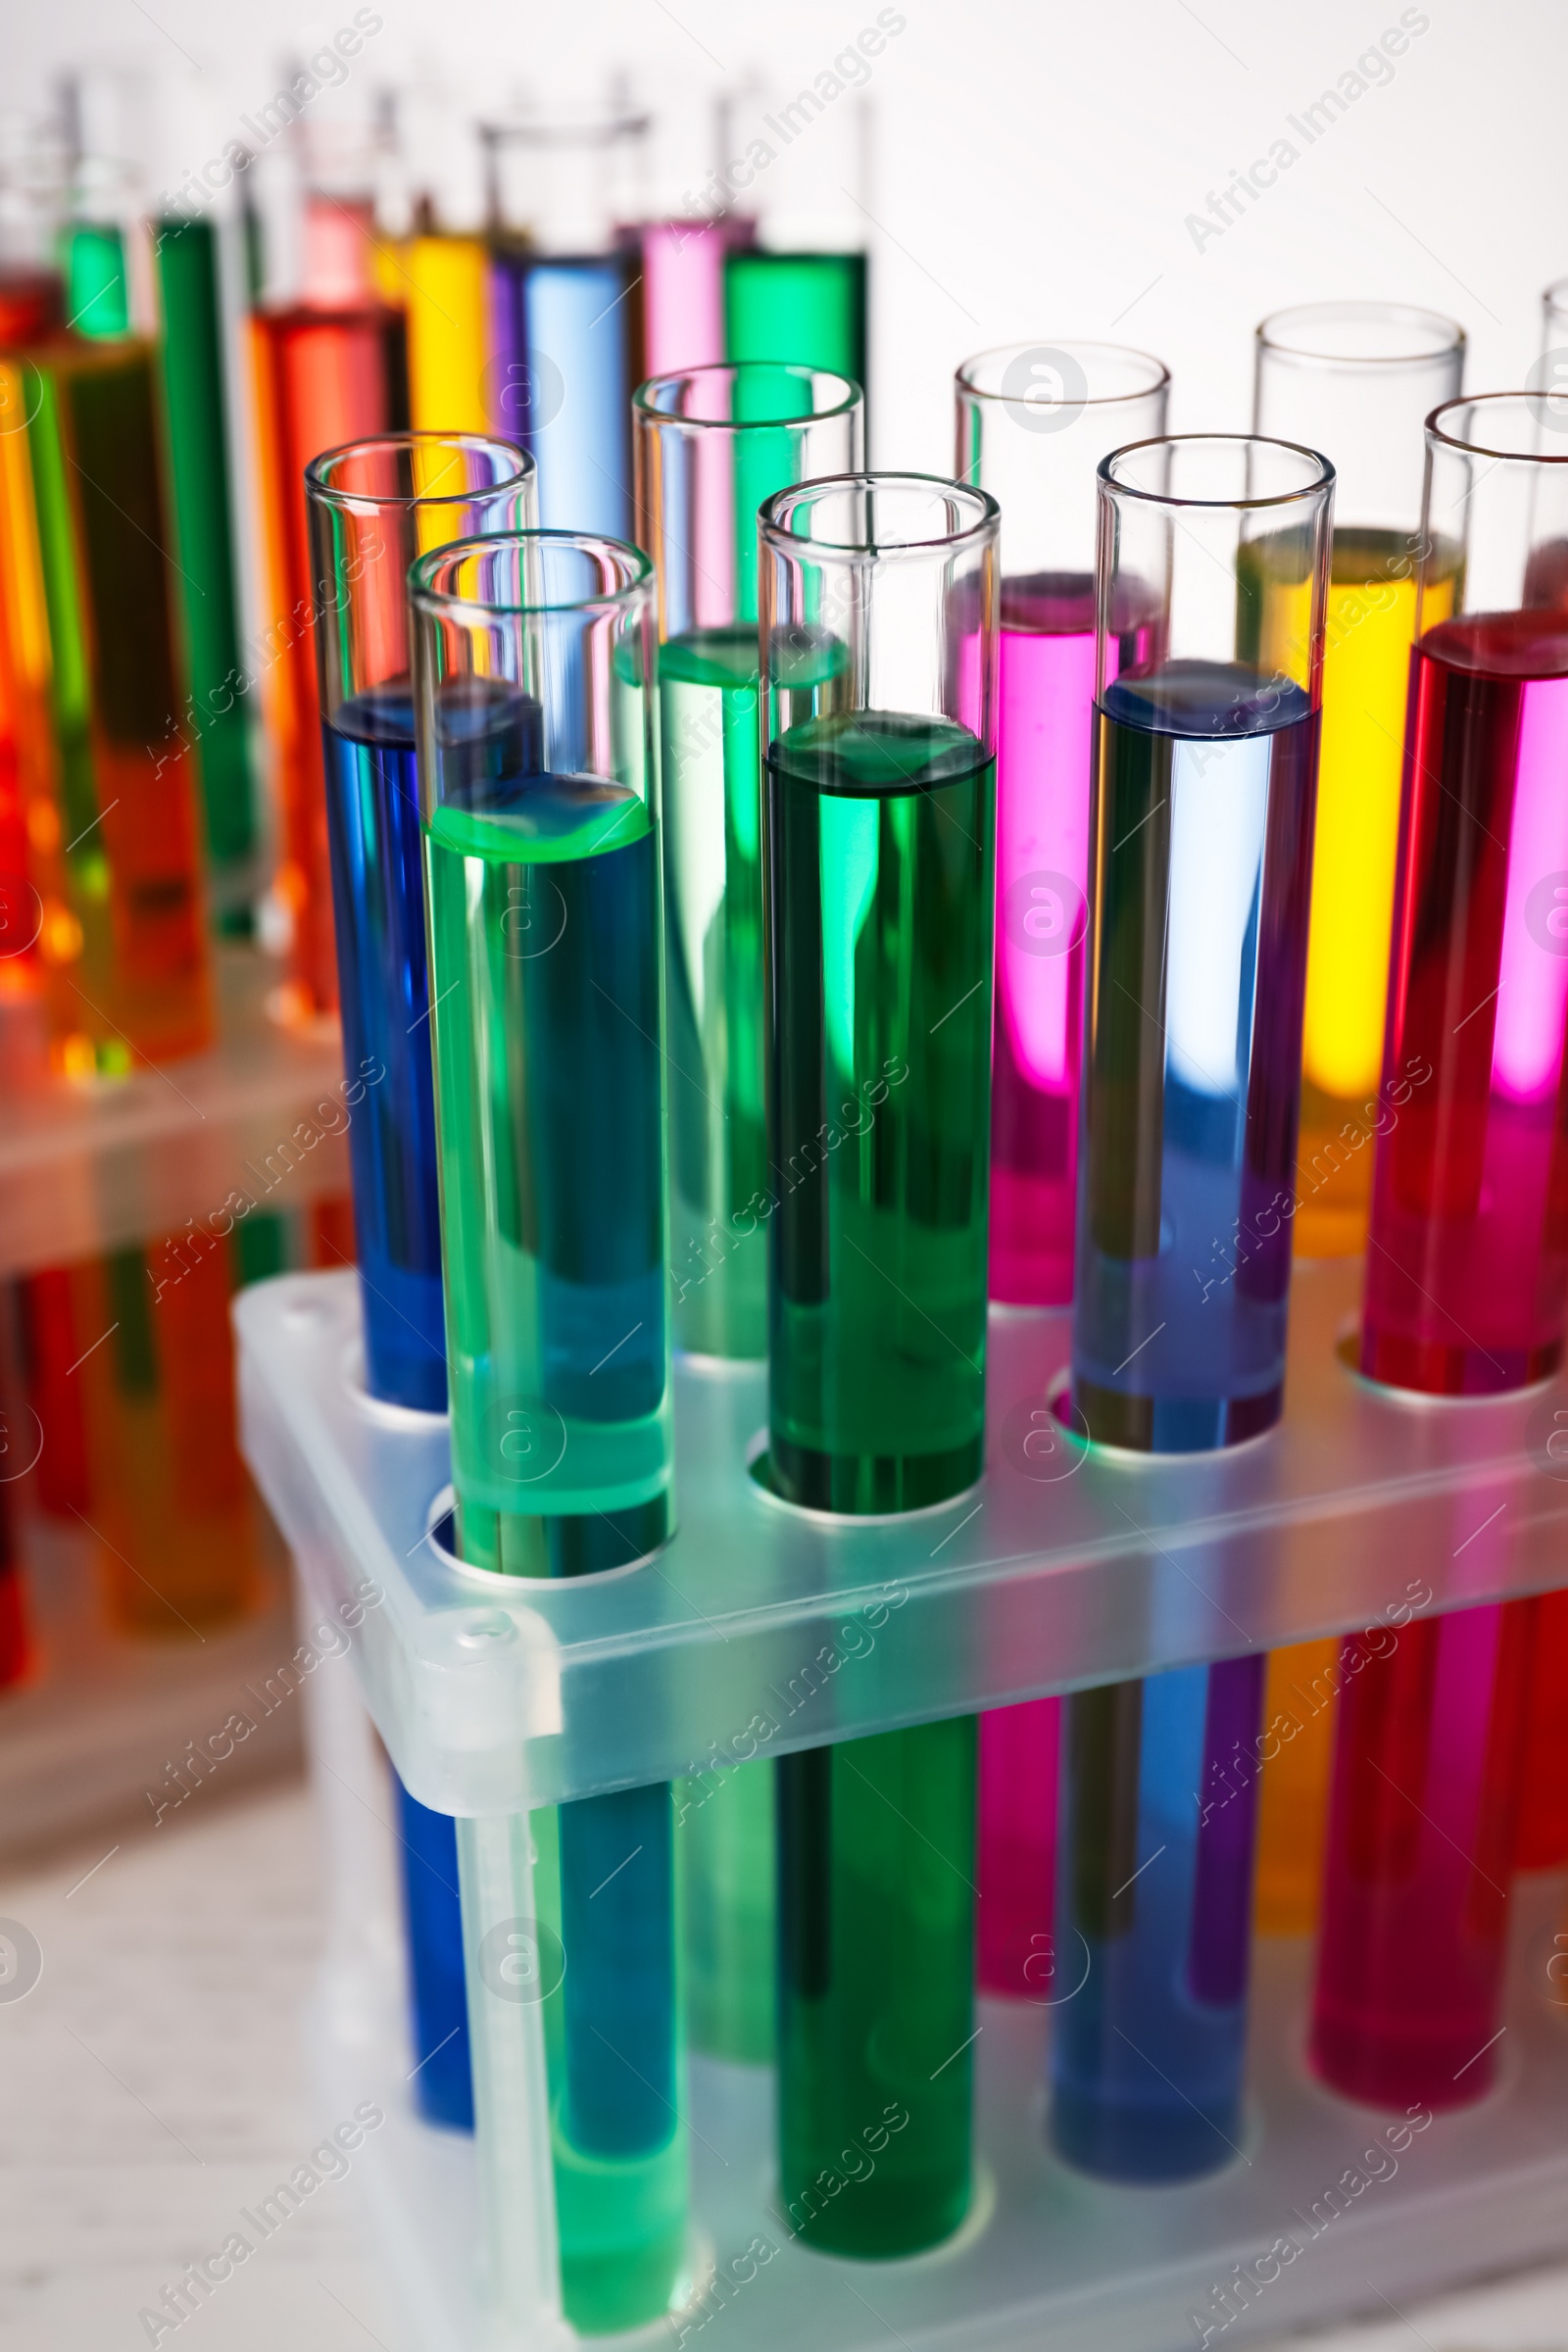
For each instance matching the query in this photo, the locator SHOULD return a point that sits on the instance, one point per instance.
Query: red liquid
(1543, 1841)
(1018, 1760)
(329, 369)
(50, 1348)
(1467, 1269)
(1421, 1843)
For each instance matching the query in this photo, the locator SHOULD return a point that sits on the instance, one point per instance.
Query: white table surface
(152, 2084)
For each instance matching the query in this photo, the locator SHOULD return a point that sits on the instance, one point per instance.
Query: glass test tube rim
(984, 511)
(1446, 335)
(1532, 403)
(368, 502)
(1072, 347)
(636, 572)
(1321, 482)
(851, 396)
(603, 130)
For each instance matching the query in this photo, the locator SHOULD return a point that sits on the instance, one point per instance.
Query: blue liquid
(1204, 798)
(373, 812)
(563, 331)
(443, 2081)
(1154, 1900)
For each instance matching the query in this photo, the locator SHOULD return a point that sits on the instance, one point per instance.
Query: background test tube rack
(1059, 1572)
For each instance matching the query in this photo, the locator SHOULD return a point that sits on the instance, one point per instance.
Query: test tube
(196, 404)
(438, 2001)
(565, 315)
(878, 887)
(801, 291)
(1154, 1919)
(1543, 1841)
(683, 289)
(94, 685)
(1421, 1843)
(1296, 1757)
(1033, 421)
(1357, 380)
(182, 1535)
(443, 277)
(14, 1645)
(1016, 1950)
(49, 1348)
(879, 799)
(539, 784)
(440, 268)
(330, 365)
(373, 508)
(1467, 1272)
(712, 443)
(1551, 373)
(95, 236)
(1205, 770)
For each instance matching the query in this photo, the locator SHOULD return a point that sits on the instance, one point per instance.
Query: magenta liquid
(1044, 744)
(1018, 1755)
(1414, 1939)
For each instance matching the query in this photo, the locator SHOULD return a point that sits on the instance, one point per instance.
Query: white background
(1036, 163)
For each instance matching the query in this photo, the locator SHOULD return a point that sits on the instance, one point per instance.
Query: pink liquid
(1467, 1273)
(1018, 1752)
(1421, 1841)
(1045, 744)
(683, 291)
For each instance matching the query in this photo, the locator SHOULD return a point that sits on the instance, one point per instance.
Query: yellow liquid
(1299, 1713)
(441, 283)
(1370, 626)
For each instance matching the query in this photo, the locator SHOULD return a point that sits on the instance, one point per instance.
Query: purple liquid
(1046, 738)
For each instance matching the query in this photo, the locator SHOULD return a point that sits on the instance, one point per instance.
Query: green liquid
(807, 309)
(878, 838)
(711, 762)
(198, 450)
(725, 1828)
(876, 1992)
(544, 988)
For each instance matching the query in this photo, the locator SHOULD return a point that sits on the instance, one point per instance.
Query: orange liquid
(182, 1535)
(92, 692)
(1299, 1715)
(324, 375)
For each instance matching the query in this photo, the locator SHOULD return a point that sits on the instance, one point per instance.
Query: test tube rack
(101, 1728)
(1064, 1569)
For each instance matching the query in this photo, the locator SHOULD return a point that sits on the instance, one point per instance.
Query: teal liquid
(97, 295)
(807, 309)
(879, 844)
(618, 2147)
(713, 799)
(543, 898)
(543, 894)
(712, 774)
